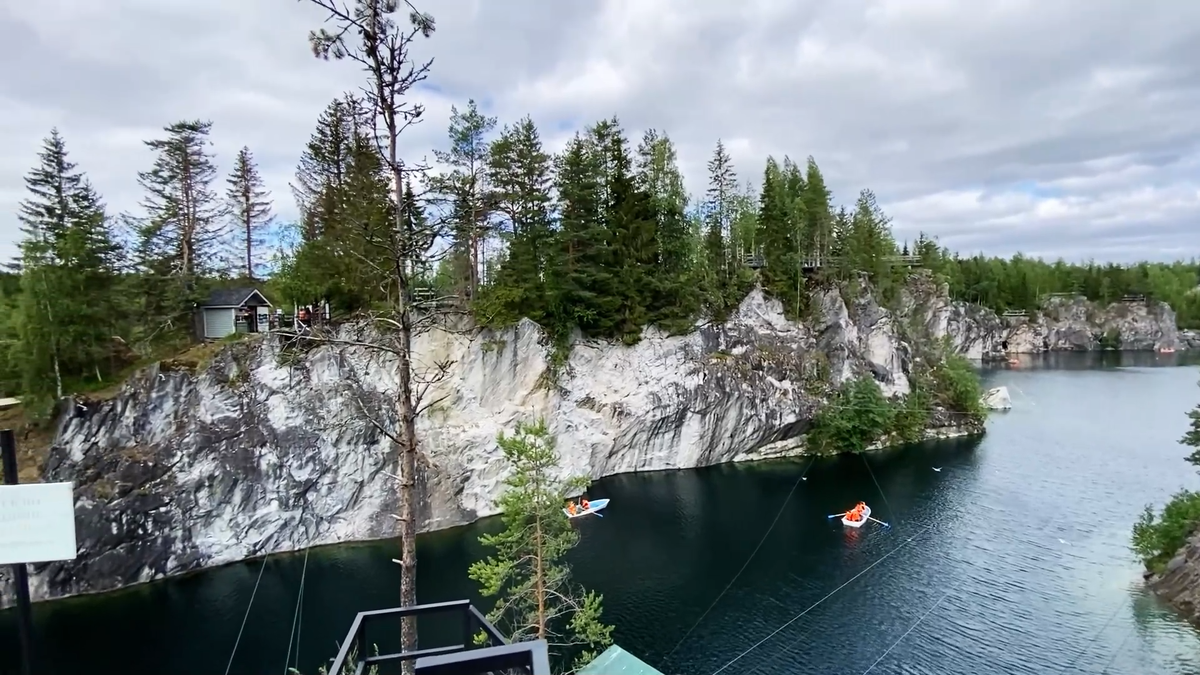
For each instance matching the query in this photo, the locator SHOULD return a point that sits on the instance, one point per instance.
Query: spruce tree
(719, 204)
(342, 190)
(631, 236)
(778, 236)
(520, 173)
(322, 169)
(250, 205)
(67, 312)
(677, 299)
(819, 230)
(586, 288)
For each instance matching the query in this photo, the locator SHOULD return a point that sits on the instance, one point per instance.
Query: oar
(836, 515)
(878, 521)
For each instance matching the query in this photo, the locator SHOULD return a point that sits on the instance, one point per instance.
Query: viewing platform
(496, 655)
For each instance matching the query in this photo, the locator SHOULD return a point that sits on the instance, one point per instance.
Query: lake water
(1015, 553)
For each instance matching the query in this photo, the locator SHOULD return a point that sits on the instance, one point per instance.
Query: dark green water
(1022, 537)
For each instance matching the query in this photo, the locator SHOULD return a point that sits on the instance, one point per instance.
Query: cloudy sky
(1057, 128)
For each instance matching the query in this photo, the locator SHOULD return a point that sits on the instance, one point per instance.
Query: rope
(296, 615)
(891, 511)
(247, 615)
(744, 565)
(910, 629)
(831, 594)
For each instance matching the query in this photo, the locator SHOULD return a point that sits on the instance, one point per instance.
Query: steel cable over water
(296, 616)
(247, 615)
(910, 629)
(844, 584)
(744, 565)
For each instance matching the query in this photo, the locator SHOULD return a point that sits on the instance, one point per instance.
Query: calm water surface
(1016, 553)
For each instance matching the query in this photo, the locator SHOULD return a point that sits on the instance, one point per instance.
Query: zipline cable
(299, 625)
(247, 615)
(1117, 653)
(1087, 646)
(846, 583)
(744, 565)
(910, 629)
(891, 512)
(296, 614)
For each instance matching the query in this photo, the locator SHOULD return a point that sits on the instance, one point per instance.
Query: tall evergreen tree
(465, 188)
(520, 173)
(67, 313)
(587, 292)
(184, 227)
(250, 204)
(719, 210)
(778, 235)
(528, 575)
(343, 193)
(322, 169)
(631, 236)
(658, 175)
(372, 36)
(819, 230)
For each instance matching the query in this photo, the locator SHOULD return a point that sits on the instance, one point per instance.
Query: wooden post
(8, 448)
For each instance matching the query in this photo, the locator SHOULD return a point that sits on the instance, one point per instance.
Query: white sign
(37, 523)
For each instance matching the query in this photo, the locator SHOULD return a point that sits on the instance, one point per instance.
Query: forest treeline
(602, 236)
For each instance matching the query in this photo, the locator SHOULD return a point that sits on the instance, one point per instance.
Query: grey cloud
(952, 112)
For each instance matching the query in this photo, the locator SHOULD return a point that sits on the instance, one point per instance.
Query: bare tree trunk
(405, 411)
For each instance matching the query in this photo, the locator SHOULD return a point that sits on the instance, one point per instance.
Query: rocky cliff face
(1179, 584)
(271, 448)
(1064, 324)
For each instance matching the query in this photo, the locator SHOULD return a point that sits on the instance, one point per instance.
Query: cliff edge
(274, 446)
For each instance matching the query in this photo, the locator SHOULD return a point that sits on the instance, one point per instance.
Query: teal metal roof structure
(617, 661)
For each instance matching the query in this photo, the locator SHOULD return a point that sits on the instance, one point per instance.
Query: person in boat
(571, 508)
(584, 504)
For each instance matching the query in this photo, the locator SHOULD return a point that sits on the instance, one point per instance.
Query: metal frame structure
(529, 657)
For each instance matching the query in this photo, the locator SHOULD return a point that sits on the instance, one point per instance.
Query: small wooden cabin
(233, 310)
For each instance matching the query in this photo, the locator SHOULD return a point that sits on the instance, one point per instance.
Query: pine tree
(527, 574)
(250, 204)
(465, 188)
(66, 313)
(371, 36)
(520, 173)
(183, 231)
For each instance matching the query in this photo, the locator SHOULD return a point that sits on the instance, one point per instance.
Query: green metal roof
(617, 661)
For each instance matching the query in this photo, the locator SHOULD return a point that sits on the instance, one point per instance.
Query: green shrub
(1158, 538)
(911, 416)
(957, 387)
(857, 416)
